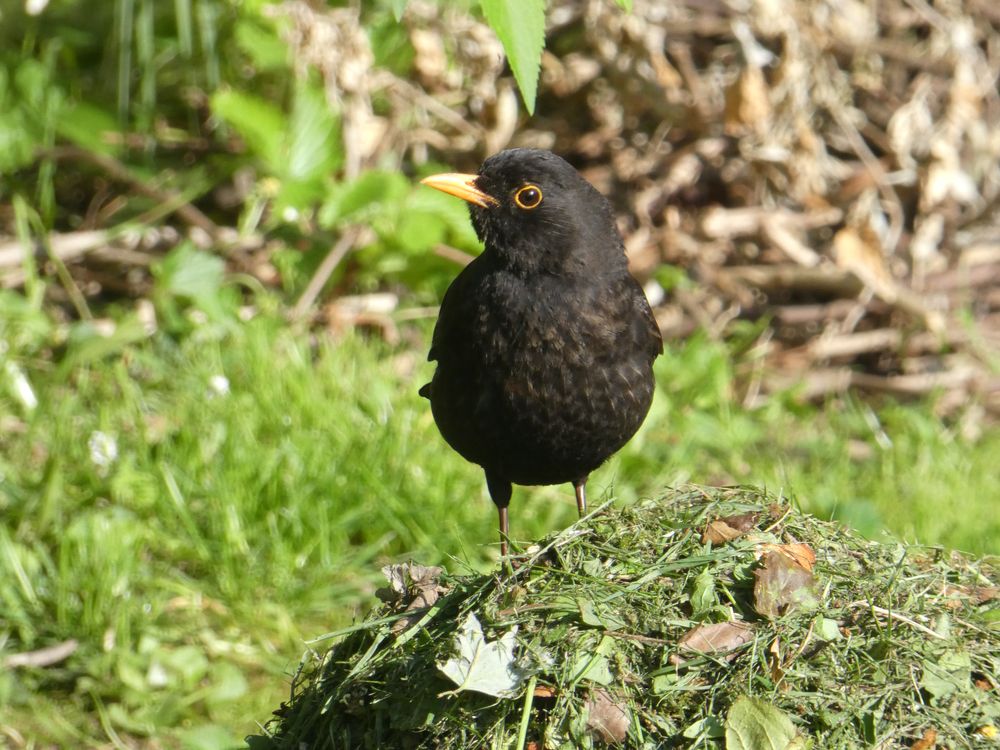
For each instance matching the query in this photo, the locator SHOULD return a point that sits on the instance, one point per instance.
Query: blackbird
(544, 343)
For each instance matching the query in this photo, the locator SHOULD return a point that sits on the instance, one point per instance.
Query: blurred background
(218, 278)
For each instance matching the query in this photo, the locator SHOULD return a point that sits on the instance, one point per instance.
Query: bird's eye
(528, 197)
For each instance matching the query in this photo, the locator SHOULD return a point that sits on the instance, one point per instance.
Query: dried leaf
(486, 667)
(782, 585)
(726, 529)
(719, 637)
(860, 252)
(799, 553)
(411, 586)
(544, 691)
(927, 742)
(719, 532)
(608, 717)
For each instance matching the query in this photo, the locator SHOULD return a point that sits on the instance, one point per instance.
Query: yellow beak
(461, 186)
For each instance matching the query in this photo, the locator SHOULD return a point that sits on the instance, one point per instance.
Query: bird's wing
(454, 317)
(650, 332)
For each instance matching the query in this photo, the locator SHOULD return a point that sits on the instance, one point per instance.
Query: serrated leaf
(312, 136)
(754, 724)
(486, 667)
(520, 26)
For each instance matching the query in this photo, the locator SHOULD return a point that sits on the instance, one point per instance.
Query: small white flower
(218, 385)
(103, 449)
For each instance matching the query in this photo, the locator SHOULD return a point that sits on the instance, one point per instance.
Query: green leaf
(593, 667)
(262, 45)
(703, 597)
(191, 273)
(625, 5)
(754, 724)
(258, 122)
(312, 136)
(520, 26)
(370, 189)
(710, 726)
(398, 6)
(951, 673)
(87, 125)
(826, 629)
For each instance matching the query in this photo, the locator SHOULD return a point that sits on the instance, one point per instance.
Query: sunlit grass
(261, 477)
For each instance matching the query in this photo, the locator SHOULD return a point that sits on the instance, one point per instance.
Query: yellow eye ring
(528, 197)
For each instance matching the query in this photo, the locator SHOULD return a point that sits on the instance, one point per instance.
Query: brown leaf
(411, 587)
(859, 251)
(608, 717)
(781, 585)
(927, 742)
(726, 529)
(717, 638)
(719, 532)
(800, 554)
(774, 661)
(748, 104)
(544, 691)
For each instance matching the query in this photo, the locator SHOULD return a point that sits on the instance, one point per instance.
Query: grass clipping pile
(712, 618)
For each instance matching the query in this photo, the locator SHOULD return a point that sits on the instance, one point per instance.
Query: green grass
(233, 526)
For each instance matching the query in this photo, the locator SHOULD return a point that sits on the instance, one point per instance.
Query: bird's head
(538, 214)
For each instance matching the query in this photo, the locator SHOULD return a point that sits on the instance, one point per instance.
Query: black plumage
(544, 343)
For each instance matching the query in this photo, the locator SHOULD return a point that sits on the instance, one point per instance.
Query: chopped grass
(897, 642)
(235, 522)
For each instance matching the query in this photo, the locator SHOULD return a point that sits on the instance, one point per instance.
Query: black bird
(544, 343)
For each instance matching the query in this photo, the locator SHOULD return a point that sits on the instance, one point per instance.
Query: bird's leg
(580, 489)
(500, 492)
(504, 529)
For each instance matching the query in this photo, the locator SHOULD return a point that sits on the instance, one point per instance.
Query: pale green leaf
(486, 667)
(592, 667)
(710, 726)
(754, 724)
(703, 596)
(950, 673)
(312, 135)
(520, 26)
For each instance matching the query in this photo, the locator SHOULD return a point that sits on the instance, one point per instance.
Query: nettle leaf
(754, 724)
(486, 667)
(312, 138)
(520, 26)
